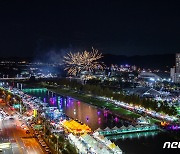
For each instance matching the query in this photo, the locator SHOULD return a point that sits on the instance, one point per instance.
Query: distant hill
(163, 62)
(16, 59)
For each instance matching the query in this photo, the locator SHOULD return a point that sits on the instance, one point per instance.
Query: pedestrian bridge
(129, 129)
(132, 135)
(21, 78)
(34, 89)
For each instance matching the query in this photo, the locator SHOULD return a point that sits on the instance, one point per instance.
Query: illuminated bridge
(35, 90)
(129, 129)
(132, 135)
(19, 78)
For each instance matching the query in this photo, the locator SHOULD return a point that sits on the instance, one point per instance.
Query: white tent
(107, 129)
(115, 128)
(130, 126)
(123, 127)
(98, 130)
(96, 133)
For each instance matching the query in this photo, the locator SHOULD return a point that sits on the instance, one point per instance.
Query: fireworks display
(84, 61)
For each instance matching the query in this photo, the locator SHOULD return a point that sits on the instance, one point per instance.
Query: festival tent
(96, 133)
(105, 139)
(112, 146)
(130, 127)
(123, 127)
(107, 129)
(101, 137)
(115, 128)
(99, 144)
(82, 148)
(104, 151)
(117, 150)
(99, 129)
(138, 126)
(75, 127)
(108, 142)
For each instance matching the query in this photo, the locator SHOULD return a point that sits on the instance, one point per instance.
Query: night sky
(31, 28)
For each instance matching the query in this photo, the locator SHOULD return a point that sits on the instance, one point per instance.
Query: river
(135, 143)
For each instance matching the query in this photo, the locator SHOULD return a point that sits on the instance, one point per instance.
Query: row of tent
(107, 143)
(81, 147)
(129, 128)
(87, 143)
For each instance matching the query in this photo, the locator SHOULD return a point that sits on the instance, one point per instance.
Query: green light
(129, 130)
(35, 90)
(16, 106)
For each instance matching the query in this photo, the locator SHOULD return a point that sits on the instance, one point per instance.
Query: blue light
(152, 79)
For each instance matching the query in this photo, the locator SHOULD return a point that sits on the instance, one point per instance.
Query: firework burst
(84, 61)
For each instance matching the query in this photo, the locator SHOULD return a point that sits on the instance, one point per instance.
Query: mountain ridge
(159, 61)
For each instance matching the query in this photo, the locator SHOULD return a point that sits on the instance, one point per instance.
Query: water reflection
(129, 143)
(90, 115)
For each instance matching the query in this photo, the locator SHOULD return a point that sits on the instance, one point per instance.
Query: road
(15, 137)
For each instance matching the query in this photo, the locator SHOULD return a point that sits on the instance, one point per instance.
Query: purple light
(51, 100)
(105, 113)
(174, 127)
(116, 119)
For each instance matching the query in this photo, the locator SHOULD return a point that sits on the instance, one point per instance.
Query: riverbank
(89, 99)
(131, 116)
(96, 102)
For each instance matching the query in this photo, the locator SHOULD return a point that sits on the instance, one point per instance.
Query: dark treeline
(97, 90)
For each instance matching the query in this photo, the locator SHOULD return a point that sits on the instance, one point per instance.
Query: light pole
(20, 107)
(44, 128)
(57, 143)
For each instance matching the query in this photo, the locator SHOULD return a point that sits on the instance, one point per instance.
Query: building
(175, 72)
(177, 78)
(149, 76)
(144, 92)
(178, 63)
(172, 74)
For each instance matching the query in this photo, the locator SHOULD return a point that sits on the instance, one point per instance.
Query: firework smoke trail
(84, 61)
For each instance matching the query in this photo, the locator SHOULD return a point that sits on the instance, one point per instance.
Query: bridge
(21, 78)
(129, 129)
(132, 135)
(35, 90)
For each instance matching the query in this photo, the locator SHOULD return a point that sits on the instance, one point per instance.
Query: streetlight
(45, 129)
(20, 107)
(57, 142)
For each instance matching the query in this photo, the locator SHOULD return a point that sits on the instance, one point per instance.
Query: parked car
(28, 132)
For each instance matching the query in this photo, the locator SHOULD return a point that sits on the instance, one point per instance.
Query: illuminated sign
(16, 106)
(34, 112)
